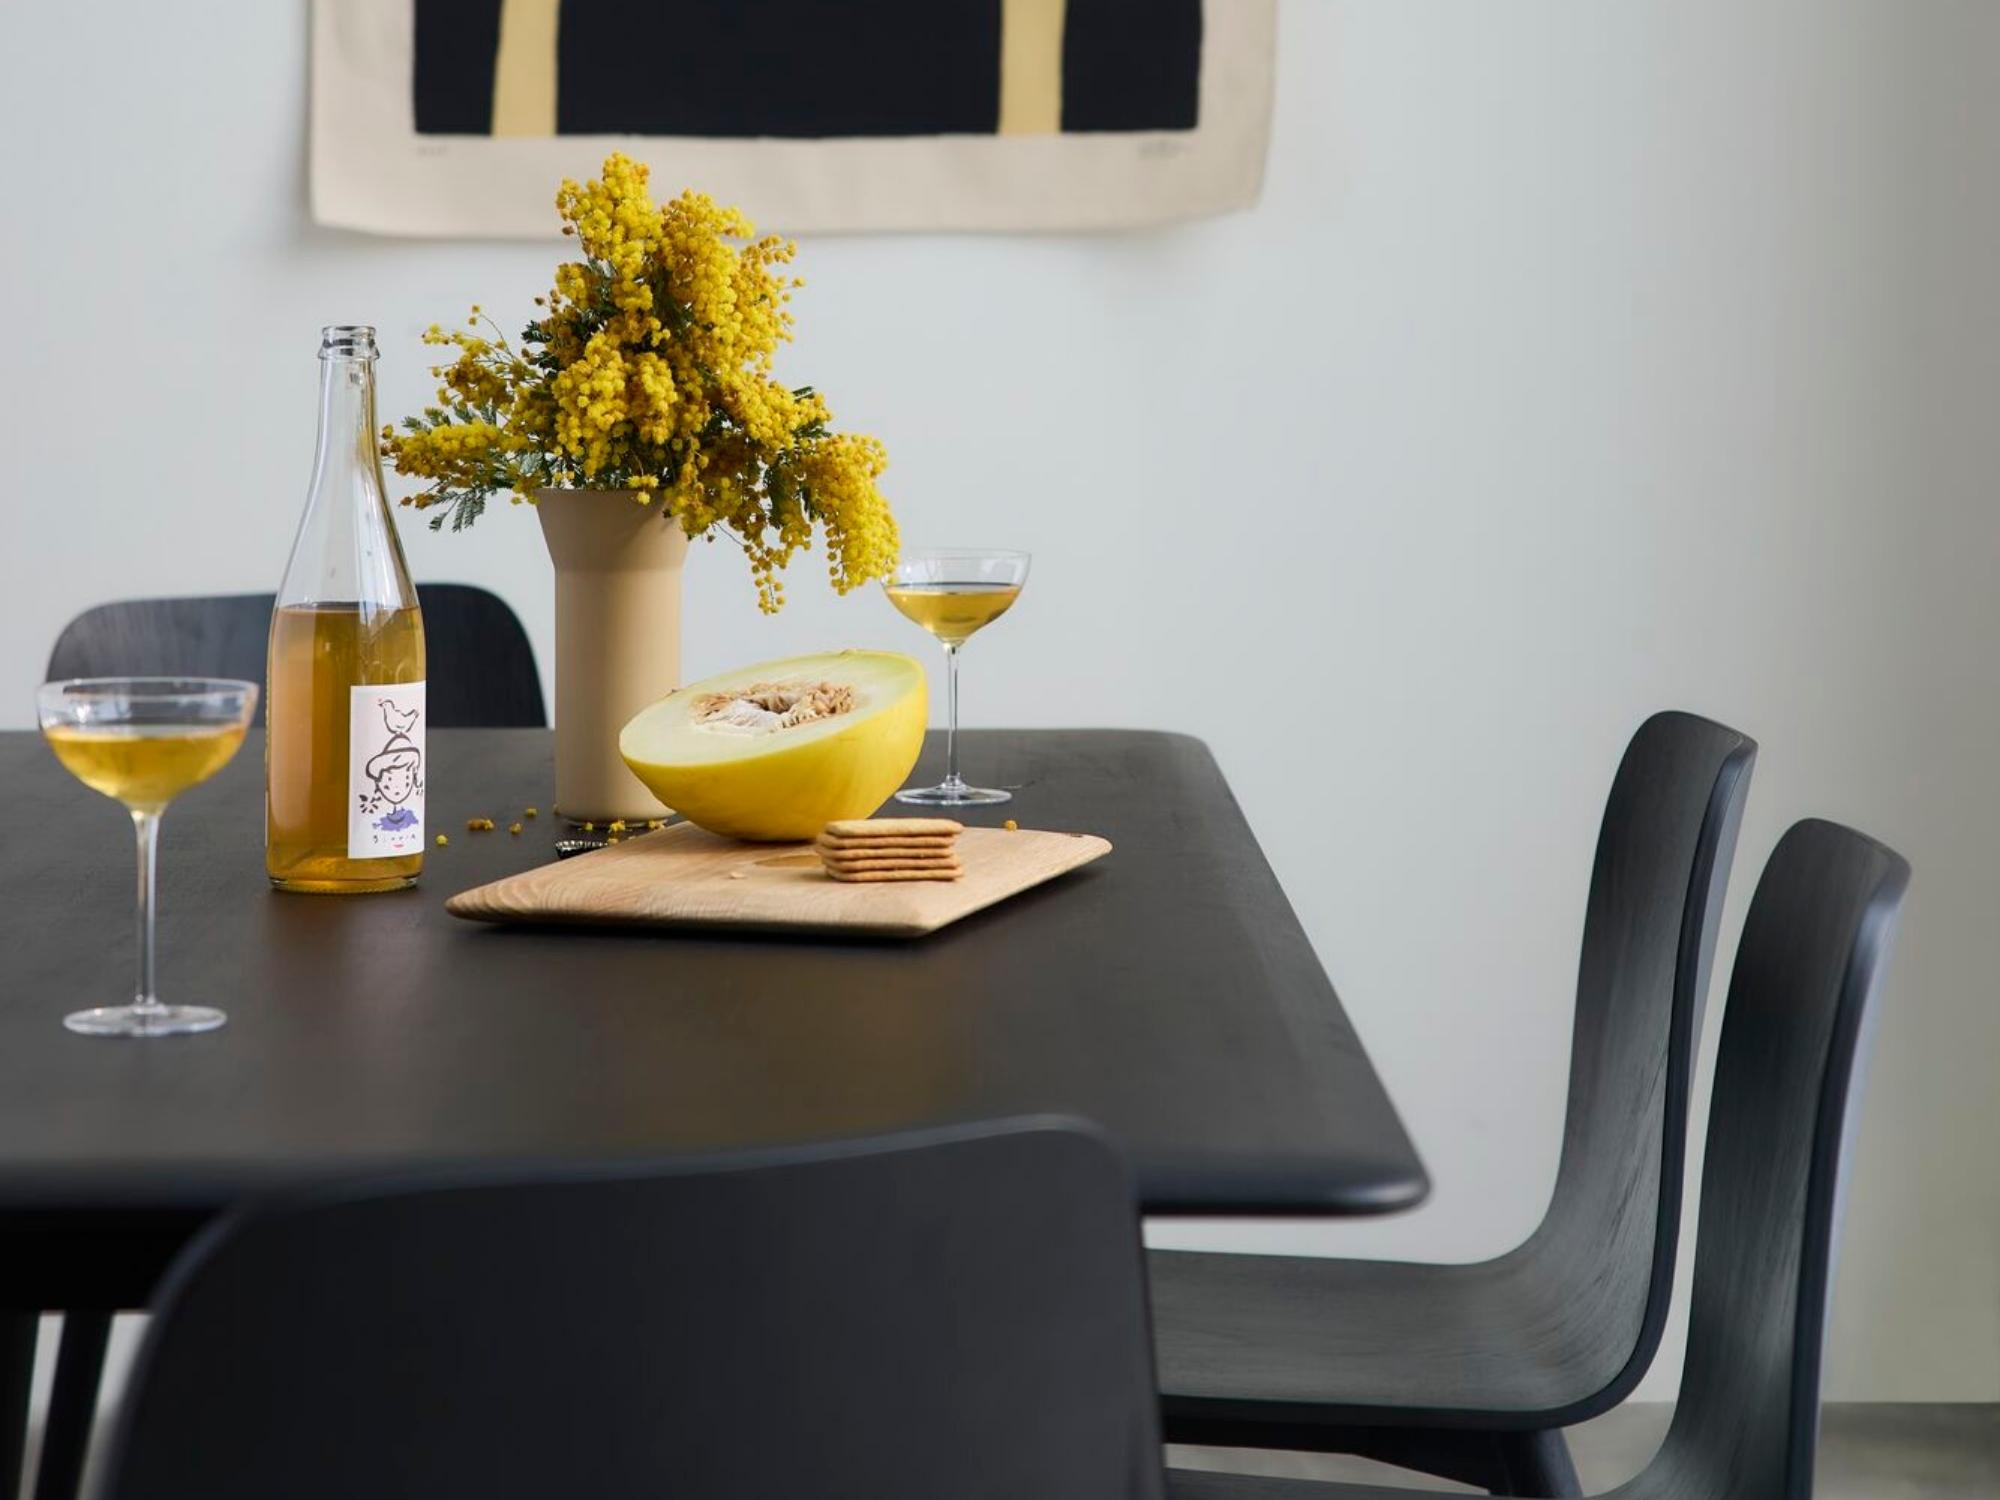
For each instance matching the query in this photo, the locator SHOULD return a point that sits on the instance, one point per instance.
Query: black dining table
(1166, 992)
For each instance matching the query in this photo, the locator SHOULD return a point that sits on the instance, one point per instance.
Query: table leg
(72, 1404)
(17, 1375)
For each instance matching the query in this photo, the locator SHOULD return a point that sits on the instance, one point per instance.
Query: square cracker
(853, 867)
(883, 828)
(888, 846)
(866, 877)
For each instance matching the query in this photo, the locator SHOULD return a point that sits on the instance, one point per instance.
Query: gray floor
(1866, 1452)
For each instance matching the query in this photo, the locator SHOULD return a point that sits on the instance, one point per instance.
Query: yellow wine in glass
(954, 594)
(954, 612)
(144, 741)
(142, 766)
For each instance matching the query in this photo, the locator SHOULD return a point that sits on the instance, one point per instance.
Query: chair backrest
(1605, 1251)
(481, 667)
(1785, 1101)
(958, 1312)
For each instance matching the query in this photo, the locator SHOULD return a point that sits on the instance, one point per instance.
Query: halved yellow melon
(779, 750)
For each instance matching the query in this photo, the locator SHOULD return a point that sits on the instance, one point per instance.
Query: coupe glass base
(945, 794)
(144, 1020)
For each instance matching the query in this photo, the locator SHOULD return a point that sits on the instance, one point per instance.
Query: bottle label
(385, 770)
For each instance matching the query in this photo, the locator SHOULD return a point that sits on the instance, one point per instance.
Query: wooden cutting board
(685, 877)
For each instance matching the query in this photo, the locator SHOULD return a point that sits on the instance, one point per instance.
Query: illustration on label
(385, 768)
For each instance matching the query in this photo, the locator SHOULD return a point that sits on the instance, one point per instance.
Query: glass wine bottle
(344, 766)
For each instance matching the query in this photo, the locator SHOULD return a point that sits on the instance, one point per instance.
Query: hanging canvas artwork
(456, 117)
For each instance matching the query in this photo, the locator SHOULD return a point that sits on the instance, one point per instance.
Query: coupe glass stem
(951, 777)
(147, 823)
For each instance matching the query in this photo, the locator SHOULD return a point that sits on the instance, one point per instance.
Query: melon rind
(790, 784)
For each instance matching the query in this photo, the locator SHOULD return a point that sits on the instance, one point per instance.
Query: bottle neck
(346, 552)
(344, 460)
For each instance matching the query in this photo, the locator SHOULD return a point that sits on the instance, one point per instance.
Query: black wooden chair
(956, 1313)
(1797, 1021)
(1471, 1371)
(481, 668)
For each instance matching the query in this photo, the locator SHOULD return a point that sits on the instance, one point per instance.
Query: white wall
(1583, 359)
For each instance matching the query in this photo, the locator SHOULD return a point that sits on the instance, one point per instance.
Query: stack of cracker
(879, 849)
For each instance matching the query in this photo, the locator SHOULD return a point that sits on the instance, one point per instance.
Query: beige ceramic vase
(618, 640)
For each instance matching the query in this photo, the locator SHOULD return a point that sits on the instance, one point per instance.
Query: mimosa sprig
(651, 369)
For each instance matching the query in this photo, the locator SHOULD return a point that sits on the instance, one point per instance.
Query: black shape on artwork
(452, 80)
(1132, 65)
(803, 69)
(780, 67)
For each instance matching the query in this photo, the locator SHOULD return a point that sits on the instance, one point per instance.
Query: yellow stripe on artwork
(1031, 57)
(524, 71)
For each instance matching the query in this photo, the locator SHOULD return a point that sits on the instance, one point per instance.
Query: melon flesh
(778, 750)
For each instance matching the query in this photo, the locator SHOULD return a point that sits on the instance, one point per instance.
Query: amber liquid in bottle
(344, 706)
(319, 653)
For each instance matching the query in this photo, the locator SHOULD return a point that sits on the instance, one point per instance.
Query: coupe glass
(143, 741)
(953, 593)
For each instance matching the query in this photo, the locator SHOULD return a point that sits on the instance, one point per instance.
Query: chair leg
(72, 1404)
(17, 1376)
(1537, 1463)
